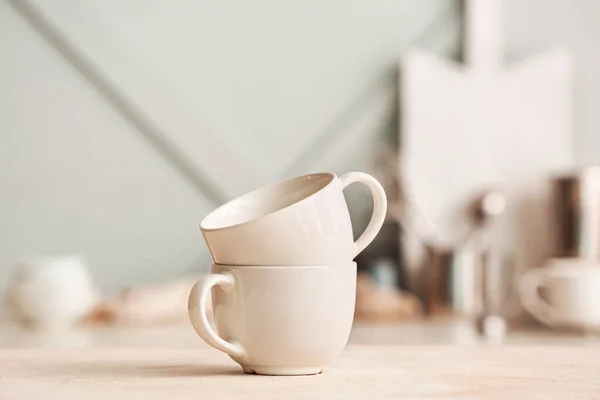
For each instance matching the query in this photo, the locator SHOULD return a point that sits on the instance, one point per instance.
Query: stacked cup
(283, 281)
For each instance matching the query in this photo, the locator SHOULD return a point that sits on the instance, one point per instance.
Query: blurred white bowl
(48, 292)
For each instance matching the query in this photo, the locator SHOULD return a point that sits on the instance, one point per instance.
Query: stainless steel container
(454, 282)
(576, 214)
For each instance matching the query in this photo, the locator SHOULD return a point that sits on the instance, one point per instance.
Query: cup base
(289, 371)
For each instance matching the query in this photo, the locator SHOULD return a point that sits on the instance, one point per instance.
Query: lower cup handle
(379, 207)
(197, 313)
(529, 287)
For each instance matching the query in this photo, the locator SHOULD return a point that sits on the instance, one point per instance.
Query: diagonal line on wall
(341, 126)
(152, 134)
(380, 87)
(333, 133)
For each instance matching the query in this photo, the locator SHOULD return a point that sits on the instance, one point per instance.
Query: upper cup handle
(529, 287)
(197, 312)
(379, 207)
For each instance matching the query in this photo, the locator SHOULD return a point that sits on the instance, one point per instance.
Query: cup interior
(575, 272)
(266, 200)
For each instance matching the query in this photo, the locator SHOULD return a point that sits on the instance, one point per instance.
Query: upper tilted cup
(297, 221)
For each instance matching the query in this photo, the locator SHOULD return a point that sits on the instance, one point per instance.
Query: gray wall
(231, 94)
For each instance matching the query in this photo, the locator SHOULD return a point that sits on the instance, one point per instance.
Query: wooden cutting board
(485, 124)
(382, 372)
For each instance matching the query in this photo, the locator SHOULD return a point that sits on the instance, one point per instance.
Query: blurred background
(122, 124)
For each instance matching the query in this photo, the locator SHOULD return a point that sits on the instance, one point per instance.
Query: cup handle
(379, 207)
(529, 287)
(197, 313)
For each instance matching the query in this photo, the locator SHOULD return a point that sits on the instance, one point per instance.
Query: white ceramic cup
(572, 293)
(297, 221)
(277, 321)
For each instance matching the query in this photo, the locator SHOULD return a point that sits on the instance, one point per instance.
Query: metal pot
(576, 214)
(454, 282)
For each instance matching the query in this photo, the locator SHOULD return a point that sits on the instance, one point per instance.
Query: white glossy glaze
(298, 221)
(277, 320)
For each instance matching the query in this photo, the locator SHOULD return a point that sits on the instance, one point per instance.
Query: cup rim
(571, 262)
(283, 267)
(265, 188)
(567, 271)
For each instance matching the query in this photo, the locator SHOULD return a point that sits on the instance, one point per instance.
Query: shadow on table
(123, 370)
(192, 370)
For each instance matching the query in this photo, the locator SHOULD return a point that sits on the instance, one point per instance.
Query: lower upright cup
(277, 320)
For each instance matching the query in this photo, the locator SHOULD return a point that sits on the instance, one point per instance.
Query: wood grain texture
(396, 372)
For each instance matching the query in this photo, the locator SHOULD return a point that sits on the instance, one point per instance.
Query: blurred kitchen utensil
(485, 207)
(498, 283)
(48, 292)
(577, 213)
(453, 281)
(465, 125)
(471, 283)
(451, 277)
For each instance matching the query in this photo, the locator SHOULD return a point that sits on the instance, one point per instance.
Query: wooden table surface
(363, 371)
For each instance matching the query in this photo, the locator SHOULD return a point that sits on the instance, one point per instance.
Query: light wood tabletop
(361, 372)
